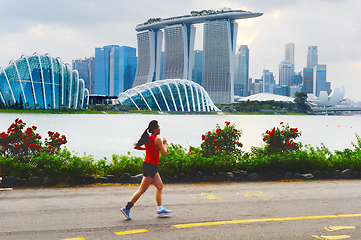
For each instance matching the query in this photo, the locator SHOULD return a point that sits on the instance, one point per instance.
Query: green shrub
(124, 164)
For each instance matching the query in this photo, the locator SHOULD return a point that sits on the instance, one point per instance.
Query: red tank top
(151, 151)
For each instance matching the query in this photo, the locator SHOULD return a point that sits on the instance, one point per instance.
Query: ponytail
(145, 136)
(143, 139)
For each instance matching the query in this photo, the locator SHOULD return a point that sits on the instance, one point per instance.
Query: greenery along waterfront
(23, 154)
(298, 106)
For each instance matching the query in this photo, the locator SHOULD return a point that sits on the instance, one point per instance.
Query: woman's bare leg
(146, 181)
(157, 181)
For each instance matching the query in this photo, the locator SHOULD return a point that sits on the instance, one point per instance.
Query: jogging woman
(152, 146)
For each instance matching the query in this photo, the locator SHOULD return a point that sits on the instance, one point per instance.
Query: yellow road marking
(336, 228)
(331, 237)
(132, 232)
(206, 196)
(263, 220)
(78, 238)
(255, 194)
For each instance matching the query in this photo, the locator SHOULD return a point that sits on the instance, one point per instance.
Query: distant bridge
(336, 109)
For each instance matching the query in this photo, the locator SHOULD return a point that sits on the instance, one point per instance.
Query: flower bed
(219, 157)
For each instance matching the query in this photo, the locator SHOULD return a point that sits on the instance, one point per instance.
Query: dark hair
(145, 136)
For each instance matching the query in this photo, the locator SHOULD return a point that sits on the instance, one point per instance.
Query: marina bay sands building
(219, 47)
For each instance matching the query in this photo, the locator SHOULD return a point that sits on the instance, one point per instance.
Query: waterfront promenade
(327, 209)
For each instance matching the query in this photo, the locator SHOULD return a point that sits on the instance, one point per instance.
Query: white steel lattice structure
(42, 81)
(168, 95)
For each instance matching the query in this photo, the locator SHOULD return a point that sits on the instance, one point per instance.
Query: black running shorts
(149, 170)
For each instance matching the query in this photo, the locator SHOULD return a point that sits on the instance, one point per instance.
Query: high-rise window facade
(268, 81)
(242, 71)
(312, 57)
(219, 42)
(178, 51)
(307, 80)
(114, 69)
(101, 70)
(319, 79)
(286, 73)
(149, 56)
(290, 52)
(85, 69)
(123, 64)
(198, 67)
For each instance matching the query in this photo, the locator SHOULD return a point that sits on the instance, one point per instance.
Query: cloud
(357, 65)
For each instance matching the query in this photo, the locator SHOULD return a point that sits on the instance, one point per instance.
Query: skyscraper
(312, 57)
(242, 72)
(179, 51)
(101, 70)
(219, 46)
(198, 67)
(286, 73)
(149, 56)
(290, 52)
(85, 69)
(268, 81)
(114, 69)
(319, 79)
(307, 80)
(219, 42)
(123, 64)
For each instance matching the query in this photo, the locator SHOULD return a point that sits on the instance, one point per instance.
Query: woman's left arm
(162, 145)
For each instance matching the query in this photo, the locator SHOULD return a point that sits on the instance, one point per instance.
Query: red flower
(281, 123)
(203, 137)
(227, 123)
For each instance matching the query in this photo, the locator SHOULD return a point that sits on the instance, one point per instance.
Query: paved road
(243, 210)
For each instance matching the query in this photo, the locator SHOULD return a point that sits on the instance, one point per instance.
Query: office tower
(307, 80)
(219, 46)
(328, 88)
(198, 67)
(282, 90)
(242, 71)
(297, 78)
(161, 66)
(179, 51)
(286, 72)
(258, 86)
(114, 69)
(250, 87)
(85, 69)
(123, 64)
(268, 81)
(149, 56)
(290, 52)
(319, 79)
(312, 57)
(101, 70)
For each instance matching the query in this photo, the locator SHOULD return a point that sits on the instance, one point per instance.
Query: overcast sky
(71, 29)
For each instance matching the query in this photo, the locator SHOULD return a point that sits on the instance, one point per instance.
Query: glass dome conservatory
(41, 81)
(168, 95)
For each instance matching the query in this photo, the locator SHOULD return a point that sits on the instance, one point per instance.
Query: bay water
(102, 135)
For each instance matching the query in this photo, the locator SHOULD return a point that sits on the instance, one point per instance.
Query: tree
(301, 102)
